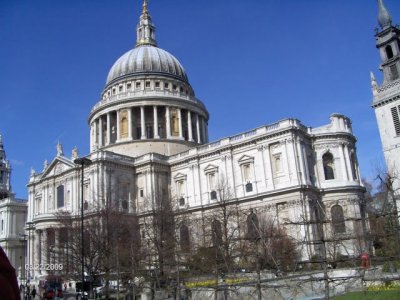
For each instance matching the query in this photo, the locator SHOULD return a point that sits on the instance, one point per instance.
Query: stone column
(155, 117)
(142, 123)
(44, 247)
(189, 122)
(304, 152)
(347, 162)
(100, 132)
(130, 123)
(203, 130)
(342, 162)
(206, 130)
(300, 153)
(268, 168)
(168, 122)
(198, 128)
(108, 139)
(180, 124)
(38, 249)
(96, 135)
(118, 127)
(56, 250)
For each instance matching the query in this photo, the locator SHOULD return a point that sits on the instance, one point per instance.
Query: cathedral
(149, 138)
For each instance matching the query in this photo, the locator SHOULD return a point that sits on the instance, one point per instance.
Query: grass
(373, 295)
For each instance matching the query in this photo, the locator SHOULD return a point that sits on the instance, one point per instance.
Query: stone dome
(147, 59)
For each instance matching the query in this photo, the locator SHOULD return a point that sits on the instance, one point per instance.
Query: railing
(135, 94)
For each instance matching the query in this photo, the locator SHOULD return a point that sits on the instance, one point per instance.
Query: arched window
(60, 196)
(338, 222)
(184, 238)
(353, 166)
(389, 51)
(216, 233)
(252, 227)
(329, 166)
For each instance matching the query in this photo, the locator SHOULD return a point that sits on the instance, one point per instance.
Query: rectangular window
(396, 120)
(128, 86)
(138, 84)
(141, 193)
(147, 84)
(166, 85)
(157, 84)
(60, 196)
(120, 88)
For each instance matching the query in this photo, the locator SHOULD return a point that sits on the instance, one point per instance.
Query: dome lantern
(145, 29)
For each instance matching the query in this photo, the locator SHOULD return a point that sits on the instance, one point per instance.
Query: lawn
(373, 295)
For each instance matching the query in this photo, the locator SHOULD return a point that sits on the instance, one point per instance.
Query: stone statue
(75, 154)
(60, 151)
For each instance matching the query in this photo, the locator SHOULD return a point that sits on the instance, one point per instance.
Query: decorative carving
(59, 168)
(289, 141)
(326, 146)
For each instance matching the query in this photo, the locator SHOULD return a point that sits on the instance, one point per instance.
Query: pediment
(245, 159)
(57, 166)
(210, 168)
(180, 176)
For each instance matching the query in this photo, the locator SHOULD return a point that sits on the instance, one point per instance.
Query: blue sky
(251, 62)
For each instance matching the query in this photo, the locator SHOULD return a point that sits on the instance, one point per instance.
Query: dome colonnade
(147, 99)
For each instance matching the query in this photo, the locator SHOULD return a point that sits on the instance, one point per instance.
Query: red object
(8, 279)
(364, 260)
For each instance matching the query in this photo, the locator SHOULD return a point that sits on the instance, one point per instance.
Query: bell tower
(386, 97)
(5, 172)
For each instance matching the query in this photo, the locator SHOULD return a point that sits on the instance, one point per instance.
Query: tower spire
(145, 28)
(145, 10)
(384, 18)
